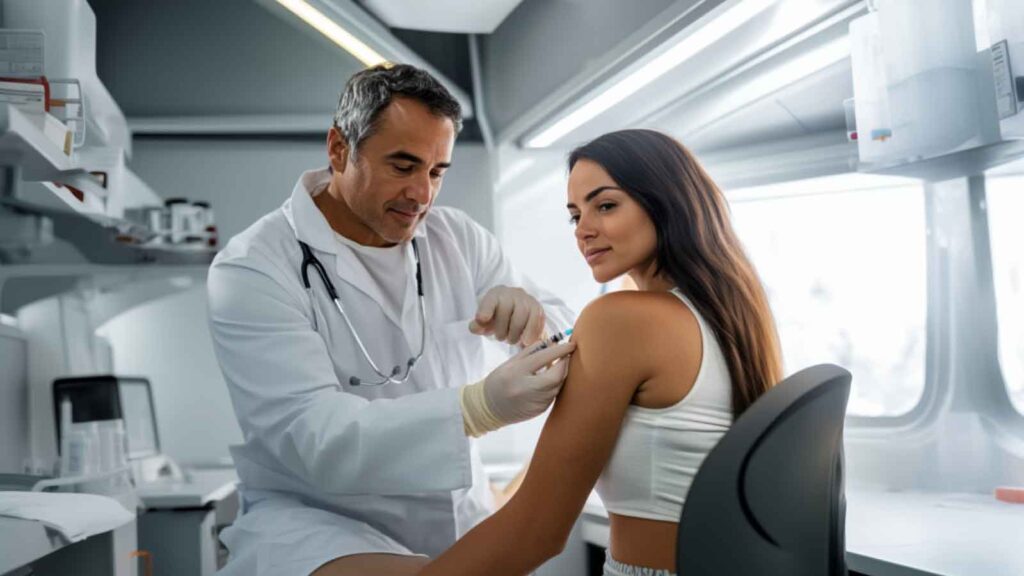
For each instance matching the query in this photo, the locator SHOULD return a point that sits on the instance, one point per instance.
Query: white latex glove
(510, 315)
(518, 390)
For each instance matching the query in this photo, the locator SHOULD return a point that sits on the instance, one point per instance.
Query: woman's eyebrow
(590, 195)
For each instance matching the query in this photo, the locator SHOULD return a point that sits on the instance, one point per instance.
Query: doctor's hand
(510, 315)
(521, 388)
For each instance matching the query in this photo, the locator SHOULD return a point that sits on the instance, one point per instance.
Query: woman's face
(613, 232)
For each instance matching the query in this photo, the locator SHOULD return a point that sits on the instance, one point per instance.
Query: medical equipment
(1006, 32)
(111, 398)
(187, 221)
(92, 438)
(125, 399)
(308, 259)
(552, 340)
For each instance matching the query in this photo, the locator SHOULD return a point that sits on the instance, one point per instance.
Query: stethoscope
(308, 259)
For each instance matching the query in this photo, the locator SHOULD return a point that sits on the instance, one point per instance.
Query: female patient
(658, 374)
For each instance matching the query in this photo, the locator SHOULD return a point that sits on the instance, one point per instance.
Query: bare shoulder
(631, 313)
(628, 330)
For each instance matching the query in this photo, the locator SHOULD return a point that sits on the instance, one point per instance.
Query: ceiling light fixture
(329, 28)
(687, 47)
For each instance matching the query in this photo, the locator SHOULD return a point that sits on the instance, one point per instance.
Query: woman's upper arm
(578, 438)
(605, 370)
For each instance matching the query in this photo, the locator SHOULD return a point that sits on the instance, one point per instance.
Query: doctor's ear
(337, 149)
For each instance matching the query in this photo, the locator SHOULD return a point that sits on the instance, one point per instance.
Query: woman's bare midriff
(642, 542)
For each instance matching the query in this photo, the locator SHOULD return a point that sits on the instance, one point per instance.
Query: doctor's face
(388, 188)
(613, 232)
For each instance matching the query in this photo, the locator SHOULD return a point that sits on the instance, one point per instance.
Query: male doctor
(357, 410)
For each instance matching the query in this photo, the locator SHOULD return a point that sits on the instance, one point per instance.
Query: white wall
(60, 342)
(168, 342)
(534, 228)
(13, 400)
(244, 179)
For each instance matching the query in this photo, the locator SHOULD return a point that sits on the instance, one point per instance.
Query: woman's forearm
(510, 543)
(503, 495)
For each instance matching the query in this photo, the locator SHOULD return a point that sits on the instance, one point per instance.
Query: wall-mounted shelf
(22, 143)
(86, 202)
(118, 287)
(102, 240)
(970, 161)
(89, 205)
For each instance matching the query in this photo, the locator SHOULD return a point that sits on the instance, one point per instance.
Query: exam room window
(1005, 204)
(843, 262)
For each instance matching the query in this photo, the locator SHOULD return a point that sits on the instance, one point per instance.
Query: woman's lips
(594, 255)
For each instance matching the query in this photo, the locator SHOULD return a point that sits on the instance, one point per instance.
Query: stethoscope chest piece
(397, 375)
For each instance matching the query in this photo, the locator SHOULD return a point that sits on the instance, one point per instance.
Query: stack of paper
(31, 95)
(75, 516)
(28, 94)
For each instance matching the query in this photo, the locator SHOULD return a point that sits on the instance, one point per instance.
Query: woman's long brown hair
(698, 249)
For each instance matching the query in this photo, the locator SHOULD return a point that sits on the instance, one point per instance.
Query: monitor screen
(110, 397)
(92, 398)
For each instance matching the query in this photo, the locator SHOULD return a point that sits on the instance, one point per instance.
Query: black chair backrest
(769, 498)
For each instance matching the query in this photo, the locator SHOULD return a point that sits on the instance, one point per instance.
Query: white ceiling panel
(460, 16)
(811, 106)
(763, 121)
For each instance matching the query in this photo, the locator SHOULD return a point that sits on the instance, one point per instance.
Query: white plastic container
(930, 63)
(181, 213)
(871, 101)
(930, 69)
(70, 28)
(113, 456)
(80, 450)
(94, 451)
(158, 219)
(1006, 31)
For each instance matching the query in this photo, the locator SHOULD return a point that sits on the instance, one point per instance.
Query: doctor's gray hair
(369, 91)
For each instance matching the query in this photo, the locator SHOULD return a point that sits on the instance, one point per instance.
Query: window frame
(993, 398)
(929, 403)
(961, 308)
(938, 381)
(996, 396)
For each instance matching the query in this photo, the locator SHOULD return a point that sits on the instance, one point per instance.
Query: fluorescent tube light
(328, 27)
(685, 49)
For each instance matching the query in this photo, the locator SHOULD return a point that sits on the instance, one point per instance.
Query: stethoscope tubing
(309, 259)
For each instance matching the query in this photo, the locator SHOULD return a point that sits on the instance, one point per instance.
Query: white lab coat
(328, 469)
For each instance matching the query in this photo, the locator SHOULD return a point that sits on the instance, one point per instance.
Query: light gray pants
(613, 567)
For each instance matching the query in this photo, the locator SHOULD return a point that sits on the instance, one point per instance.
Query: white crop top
(660, 449)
